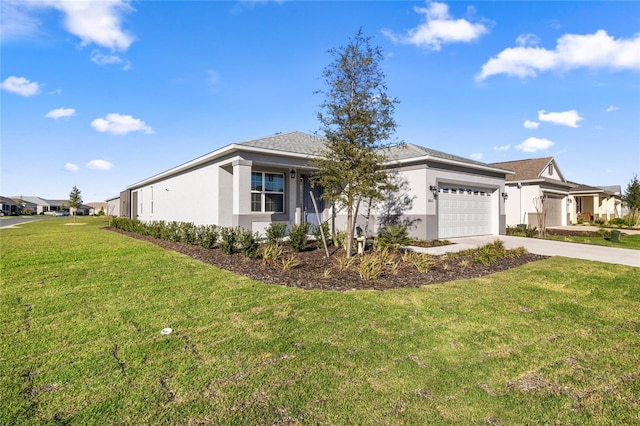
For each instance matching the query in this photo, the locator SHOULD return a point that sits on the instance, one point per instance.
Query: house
(40, 205)
(537, 185)
(96, 207)
(595, 202)
(254, 183)
(9, 207)
(113, 206)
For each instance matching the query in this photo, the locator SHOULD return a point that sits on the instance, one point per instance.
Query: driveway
(615, 255)
(11, 222)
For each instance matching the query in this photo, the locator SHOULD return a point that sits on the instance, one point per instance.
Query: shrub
(187, 232)
(27, 211)
(345, 262)
(324, 226)
(339, 238)
(603, 233)
(247, 244)
(393, 236)
(370, 267)
(207, 235)
(489, 253)
(275, 232)
(421, 261)
(271, 253)
(298, 236)
(228, 239)
(171, 232)
(290, 262)
(618, 221)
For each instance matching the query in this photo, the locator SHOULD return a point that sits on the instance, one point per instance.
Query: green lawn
(626, 241)
(554, 342)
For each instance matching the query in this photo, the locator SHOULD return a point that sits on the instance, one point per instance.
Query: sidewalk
(614, 255)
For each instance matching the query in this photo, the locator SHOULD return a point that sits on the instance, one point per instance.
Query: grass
(631, 241)
(553, 342)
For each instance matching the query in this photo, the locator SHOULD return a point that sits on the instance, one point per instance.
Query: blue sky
(104, 94)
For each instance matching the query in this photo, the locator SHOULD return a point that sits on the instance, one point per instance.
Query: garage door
(553, 205)
(465, 211)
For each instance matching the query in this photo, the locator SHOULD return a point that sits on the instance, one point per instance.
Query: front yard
(552, 341)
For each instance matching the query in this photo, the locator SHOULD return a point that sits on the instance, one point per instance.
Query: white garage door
(465, 211)
(553, 205)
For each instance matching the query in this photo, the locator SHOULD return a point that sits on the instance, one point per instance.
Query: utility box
(615, 236)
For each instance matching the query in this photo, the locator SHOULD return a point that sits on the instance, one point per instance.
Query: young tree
(631, 198)
(356, 118)
(75, 201)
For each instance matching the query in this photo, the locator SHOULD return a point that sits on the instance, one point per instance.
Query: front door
(308, 211)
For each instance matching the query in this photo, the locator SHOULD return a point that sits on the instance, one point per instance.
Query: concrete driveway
(615, 255)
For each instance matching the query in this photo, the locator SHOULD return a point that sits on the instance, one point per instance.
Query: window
(267, 192)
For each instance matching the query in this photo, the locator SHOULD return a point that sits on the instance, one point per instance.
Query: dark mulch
(310, 274)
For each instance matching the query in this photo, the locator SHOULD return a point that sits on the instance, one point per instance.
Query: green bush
(618, 221)
(324, 226)
(339, 238)
(275, 232)
(187, 232)
(298, 236)
(247, 244)
(228, 239)
(207, 236)
(393, 236)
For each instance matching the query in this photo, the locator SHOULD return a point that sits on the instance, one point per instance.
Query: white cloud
(527, 40)
(99, 165)
(566, 118)
(118, 124)
(20, 86)
(598, 127)
(439, 28)
(534, 144)
(60, 113)
(597, 50)
(476, 156)
(502, 148)
(16, 20)
(70, 167)
(531, 124)
(612, 108)
(96, 22)
(101, 59)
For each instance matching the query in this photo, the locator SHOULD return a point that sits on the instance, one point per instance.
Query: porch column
(241, 213)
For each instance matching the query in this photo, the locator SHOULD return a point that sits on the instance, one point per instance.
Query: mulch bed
(310, 274)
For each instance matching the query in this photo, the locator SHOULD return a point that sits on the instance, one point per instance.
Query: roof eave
(450, 162)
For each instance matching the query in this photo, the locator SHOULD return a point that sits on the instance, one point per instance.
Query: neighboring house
(595, 202)
(113, 206)
(40, 205)
(254, 183)
(536, 185)
(9, 207)
(96, 207)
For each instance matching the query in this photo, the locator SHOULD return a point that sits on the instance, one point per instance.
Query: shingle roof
(408, 150)
(294, 142)
(529, 169)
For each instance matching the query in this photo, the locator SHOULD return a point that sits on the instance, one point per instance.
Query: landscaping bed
(316, 271)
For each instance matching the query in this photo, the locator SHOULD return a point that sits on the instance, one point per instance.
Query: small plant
(207, 236)
(298, 236)
(394, 236)
(370, 267)
(421, 261)
(327, 273)
(271, 253)
(324, 226)
(489, 253)
(344, 262)
(464, 263)
(339, 238)
(228, 239)
(247, 243)
(187, 232)
(275, 232)
(290, 262)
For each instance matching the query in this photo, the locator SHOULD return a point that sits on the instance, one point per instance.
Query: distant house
(595, 202)
(113, 206)
(254, 183)
(9, 207)
(40, 205)
(96, 207)
(534, 181)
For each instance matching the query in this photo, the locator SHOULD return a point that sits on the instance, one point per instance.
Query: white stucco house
(535, 180)
(595, 202)
(253, 183)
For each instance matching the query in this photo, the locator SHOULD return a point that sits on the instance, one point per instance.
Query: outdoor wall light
(505, 195)
(434, 190)
(292, 173)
